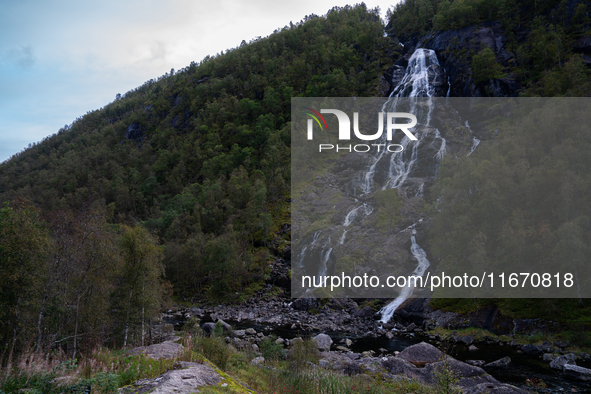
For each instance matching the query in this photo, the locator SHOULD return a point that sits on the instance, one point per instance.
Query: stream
(522, 366)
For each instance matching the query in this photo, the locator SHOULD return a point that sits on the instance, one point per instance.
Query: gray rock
(576, 372)
(560, 344)
(348, 342)
(226, 326)
(257, 360)
(239, 333)
(166, 349)
(305, 304)
(532, 350)
(323, 342)
(421, 354)
(208, 328)
(488, 388)
(549, 357)
(364, 313)
(324, 363)
(468, 339)
(476, 363)
(411, 327)
(279, 341)
(389, 335)
(250, 331)
(500, 363)
(472, 348)
(186, 380)
(255, 347)
(560, 362)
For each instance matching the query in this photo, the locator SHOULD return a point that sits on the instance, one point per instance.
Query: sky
(60, 59)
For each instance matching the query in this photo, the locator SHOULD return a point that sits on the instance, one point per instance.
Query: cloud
(23, 57)
(158, 49)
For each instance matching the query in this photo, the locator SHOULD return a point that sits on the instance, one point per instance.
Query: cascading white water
(475, 142)
(422, 65)
(407, 291)
(414, 84)
(342, 240)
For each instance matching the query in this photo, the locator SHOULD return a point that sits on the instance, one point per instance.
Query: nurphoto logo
(345, 130)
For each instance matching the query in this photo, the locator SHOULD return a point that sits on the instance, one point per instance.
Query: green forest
(188, 175)
(180, 188)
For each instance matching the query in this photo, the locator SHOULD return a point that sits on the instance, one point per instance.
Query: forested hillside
(182, 186)
(188, 175)
(540, 48)
(521, 200)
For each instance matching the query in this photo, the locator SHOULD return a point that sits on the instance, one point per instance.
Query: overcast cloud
(61, 59)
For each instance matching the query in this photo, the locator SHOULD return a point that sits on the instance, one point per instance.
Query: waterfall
(475, 142)
(342, 240)
(420, 80)
(407, 291)
(414, 84)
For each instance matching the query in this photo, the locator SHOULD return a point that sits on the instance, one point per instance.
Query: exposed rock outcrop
(184, 380)
(421, 362)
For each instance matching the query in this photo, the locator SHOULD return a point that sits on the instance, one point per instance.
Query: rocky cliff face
(452, 48)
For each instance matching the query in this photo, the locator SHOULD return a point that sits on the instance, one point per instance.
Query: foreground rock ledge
(185, 380)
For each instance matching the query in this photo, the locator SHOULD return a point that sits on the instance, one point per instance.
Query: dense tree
(140, 289)
(24, 245)
(485, 66)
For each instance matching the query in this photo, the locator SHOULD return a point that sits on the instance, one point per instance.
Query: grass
(107, 370)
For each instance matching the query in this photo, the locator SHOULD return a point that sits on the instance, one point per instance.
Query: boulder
(257, 361)
(576, 372)
(560, 362)
(500, 363)
(208, 328)
(421, 354)
(166, 349)
(185, 380)
(560, 344)
(305, 304)
(476, 363)
(532, 350)
(364, 313)
(549, 357)
(323, 342)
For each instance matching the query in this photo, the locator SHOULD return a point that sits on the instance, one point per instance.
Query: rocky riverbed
(356, 337)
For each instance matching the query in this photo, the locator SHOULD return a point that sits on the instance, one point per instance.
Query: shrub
(216, 350)
(270, 349)
(303, 352)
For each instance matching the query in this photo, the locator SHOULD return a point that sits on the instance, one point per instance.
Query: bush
(216, 350)
(301, 353)
(270, 349)
(446, 379)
